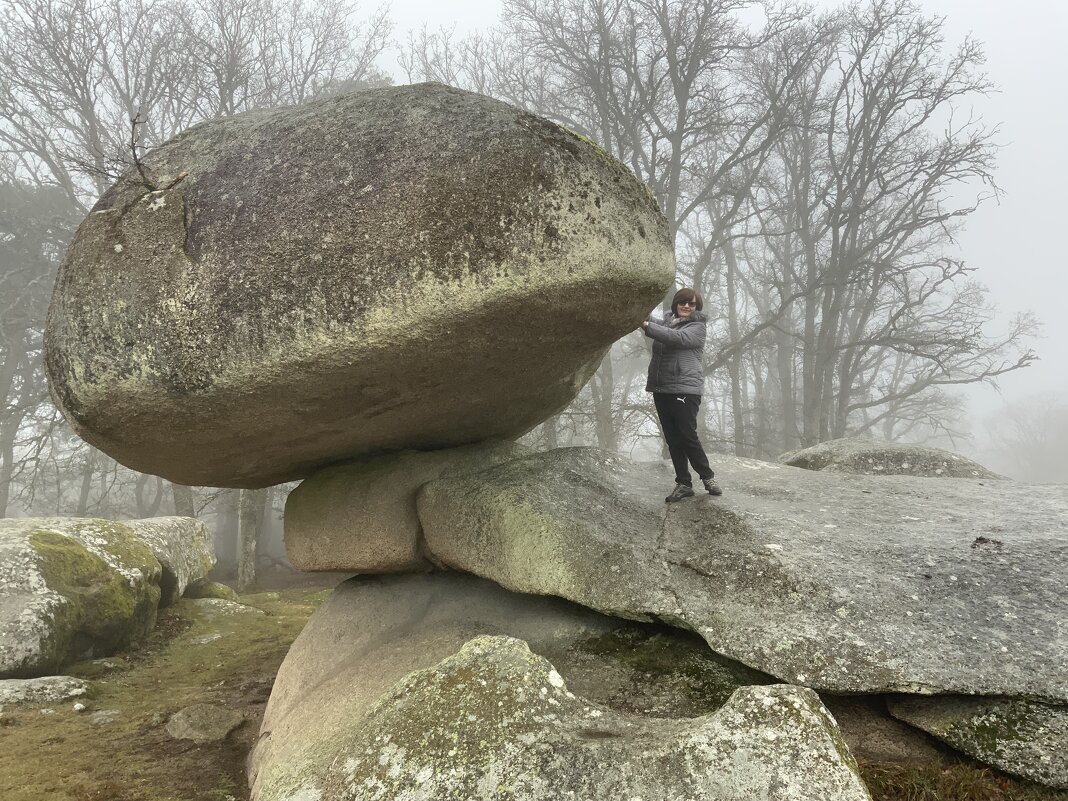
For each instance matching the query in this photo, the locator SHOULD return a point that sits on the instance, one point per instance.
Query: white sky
(1016, 244)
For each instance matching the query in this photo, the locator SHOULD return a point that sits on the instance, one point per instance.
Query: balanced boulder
(409, 267)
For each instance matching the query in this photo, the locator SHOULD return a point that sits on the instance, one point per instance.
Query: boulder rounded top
(880, 458)
(410, 267)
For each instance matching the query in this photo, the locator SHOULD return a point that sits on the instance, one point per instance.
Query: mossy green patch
(103, 612)
(64, 757)
(667, 672)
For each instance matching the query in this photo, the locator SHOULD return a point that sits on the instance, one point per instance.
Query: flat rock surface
(377, 271)
(374, 630)
(843, 583)
(881, 458)
(1025, 738)
(41, 690)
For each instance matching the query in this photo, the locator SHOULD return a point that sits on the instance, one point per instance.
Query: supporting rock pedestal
(417, 687)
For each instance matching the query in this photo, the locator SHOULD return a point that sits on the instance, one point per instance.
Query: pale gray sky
(1016, 244)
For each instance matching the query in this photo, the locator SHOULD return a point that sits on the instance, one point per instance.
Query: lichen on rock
(300, 299)
(496, 721)
(71, 588)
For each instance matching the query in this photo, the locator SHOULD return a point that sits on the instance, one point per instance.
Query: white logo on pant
(681, 400)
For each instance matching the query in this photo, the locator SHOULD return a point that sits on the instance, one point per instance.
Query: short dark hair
(686, 293)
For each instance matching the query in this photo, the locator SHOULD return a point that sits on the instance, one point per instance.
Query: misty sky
(1017, 244)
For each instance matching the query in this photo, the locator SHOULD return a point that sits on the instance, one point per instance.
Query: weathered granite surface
(380, 697)
(203, 723)
(185, 550)
(43, 689)
(842, 583)
(1028, 739)
(881, 458)
(361, 516)
(71, 588)
(376, 271)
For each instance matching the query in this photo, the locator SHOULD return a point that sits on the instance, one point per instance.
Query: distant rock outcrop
(877, 458)
(409, 267)
(184, 548)
(840, 583)
(417, 687)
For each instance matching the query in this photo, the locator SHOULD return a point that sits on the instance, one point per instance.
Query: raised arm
(687, 335)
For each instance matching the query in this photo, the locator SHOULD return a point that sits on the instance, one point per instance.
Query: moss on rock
(90, 588)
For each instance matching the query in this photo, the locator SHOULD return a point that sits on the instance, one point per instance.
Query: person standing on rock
(677, 381)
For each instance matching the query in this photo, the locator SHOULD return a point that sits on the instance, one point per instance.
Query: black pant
(678, 419)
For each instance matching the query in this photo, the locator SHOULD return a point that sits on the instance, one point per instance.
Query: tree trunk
(183, 500)
(251, 518)
(87, 484)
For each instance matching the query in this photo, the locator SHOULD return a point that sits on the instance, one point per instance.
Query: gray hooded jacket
(678, 350)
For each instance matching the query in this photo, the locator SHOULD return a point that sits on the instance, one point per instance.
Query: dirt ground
(196, 654)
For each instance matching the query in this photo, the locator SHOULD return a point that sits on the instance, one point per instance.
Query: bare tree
(84, 88)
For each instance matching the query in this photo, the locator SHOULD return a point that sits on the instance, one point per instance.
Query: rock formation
(879, 458)
(417, 686)
(73, 588)
(361, 516)
(377, 271)
(1027, 738)
(840, 583)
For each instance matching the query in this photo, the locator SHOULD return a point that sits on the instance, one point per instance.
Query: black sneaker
(712, 486)
(681, 491)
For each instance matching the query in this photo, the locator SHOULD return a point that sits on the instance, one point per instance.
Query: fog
(1013, 420)
(1015, 240)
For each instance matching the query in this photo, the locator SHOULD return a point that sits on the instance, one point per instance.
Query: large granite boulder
(361, 516)
(71, 588)
(185, 550)
(409, 267)
(879, 458)
(417, 687)
(841, 583)
(1026, 738)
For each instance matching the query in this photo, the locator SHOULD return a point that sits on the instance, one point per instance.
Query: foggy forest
(813, 166)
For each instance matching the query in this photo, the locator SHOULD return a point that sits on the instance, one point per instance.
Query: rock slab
(408, 687)
(1024, 738)
(842, 583)
(879, 458)
(373, 272)
(41, 690)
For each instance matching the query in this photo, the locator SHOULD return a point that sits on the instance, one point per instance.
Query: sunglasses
(687, 302)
